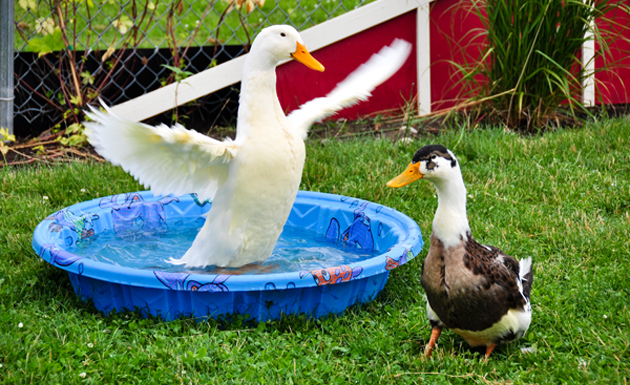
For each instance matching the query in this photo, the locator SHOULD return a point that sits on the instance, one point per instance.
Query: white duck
(253, 180)
(477, 291)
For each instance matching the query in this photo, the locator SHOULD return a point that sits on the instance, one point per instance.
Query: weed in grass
(562, 198)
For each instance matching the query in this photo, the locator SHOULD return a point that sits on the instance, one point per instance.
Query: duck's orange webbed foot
(489, 350)
(435, 334)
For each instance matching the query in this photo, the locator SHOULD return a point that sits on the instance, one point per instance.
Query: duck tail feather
(526, 274)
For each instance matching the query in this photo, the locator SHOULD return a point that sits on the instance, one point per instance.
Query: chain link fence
(70, 52)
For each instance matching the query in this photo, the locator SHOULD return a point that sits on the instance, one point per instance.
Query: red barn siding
(343, 57)
(611, 85)
(455, 30)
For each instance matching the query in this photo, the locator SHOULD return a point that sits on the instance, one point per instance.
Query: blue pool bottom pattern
(391, 236)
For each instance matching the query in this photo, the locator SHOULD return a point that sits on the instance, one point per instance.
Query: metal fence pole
(6, 64)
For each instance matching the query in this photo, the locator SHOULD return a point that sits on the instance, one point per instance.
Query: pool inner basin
(334, 251)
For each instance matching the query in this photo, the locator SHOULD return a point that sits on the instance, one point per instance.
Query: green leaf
(202, 352)
(76, 100)
(47, 44)
(40, 149)
(63, 140)
(77, 140)
(179, 73)
(174, 69)
(28, 4)
(87, 78)
(261, 327)
(74, 128)
(4, 135)
(123, 24)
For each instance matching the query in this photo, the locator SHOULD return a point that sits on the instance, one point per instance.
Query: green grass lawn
(562, 198)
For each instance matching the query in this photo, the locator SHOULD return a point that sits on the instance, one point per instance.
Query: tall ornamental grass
(530, 72)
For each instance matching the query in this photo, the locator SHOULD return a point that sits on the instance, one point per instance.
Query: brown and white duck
(477, 291)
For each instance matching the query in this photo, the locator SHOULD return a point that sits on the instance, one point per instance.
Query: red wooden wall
(612, 85)
(455, 30)
(343, 57)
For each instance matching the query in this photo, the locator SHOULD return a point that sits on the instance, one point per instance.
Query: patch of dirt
(392, 128)
(46, 148)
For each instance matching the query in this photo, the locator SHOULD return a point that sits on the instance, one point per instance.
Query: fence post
(6, 64)
(423, 57)
(588, 62)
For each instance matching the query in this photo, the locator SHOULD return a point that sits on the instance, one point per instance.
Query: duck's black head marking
(430, 152)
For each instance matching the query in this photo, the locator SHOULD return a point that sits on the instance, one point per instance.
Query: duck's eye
(283, 34)
(433, 156)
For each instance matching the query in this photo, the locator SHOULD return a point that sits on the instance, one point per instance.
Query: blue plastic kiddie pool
(382, 238)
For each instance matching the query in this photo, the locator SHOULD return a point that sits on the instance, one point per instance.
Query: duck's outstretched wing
(168, 160)
(356, 87)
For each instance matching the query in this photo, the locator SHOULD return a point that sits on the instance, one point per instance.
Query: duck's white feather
(525, 266)
(169, 160)
(450, 223)
(354, 88)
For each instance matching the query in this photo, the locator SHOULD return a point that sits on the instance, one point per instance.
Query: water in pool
(297, 250)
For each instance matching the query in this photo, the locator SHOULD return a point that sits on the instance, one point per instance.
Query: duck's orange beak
(304, 57)
(412, 173)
